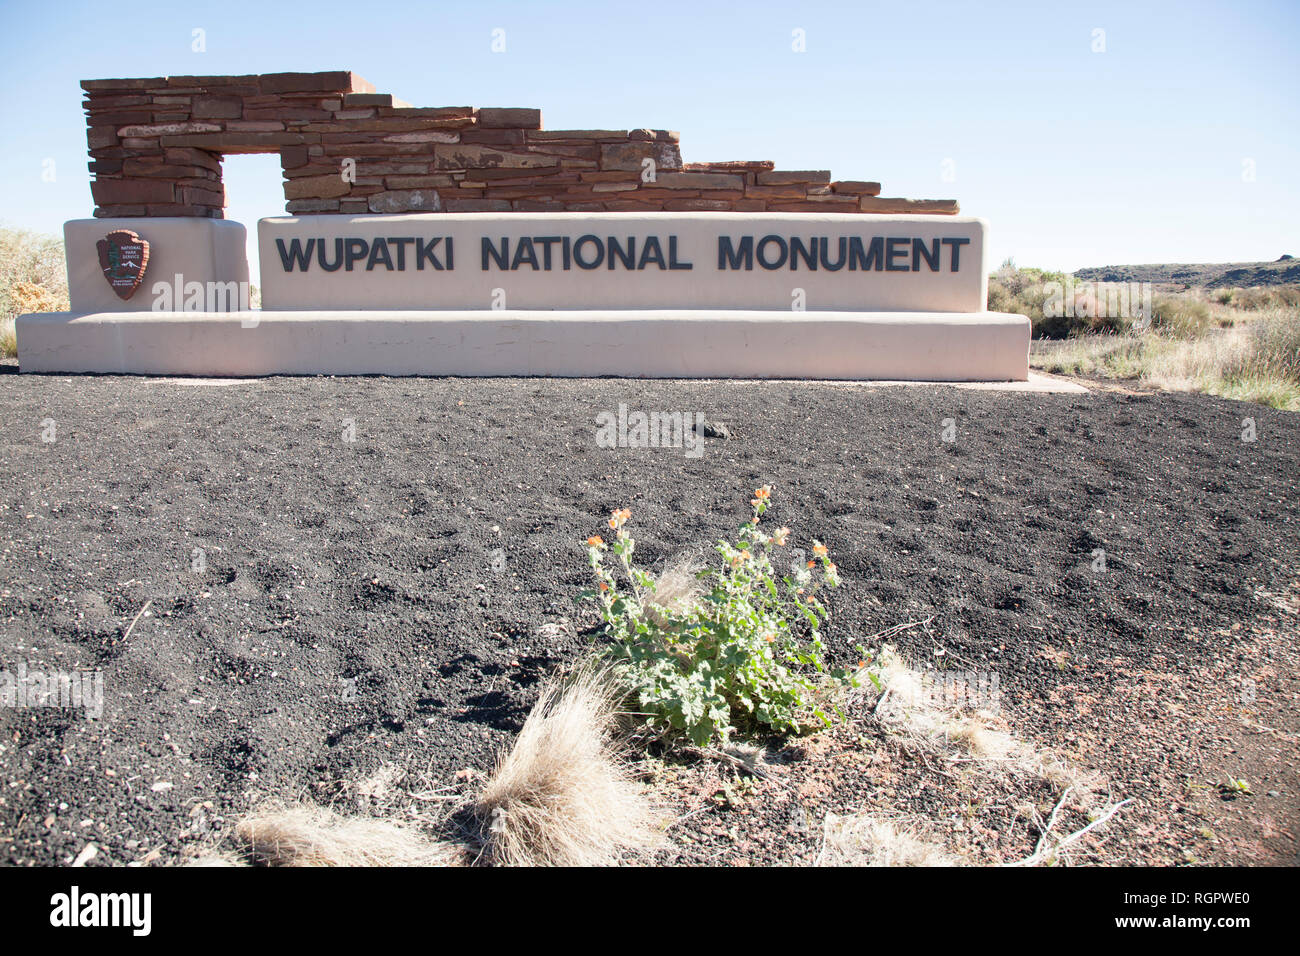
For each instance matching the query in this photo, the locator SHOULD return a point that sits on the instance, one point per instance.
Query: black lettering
(785, 252)
(956, 251)
(338, 256)
(931, 255)
(546, 242)
(357, 249)
(295, 254)
(896, 248)
(424, 251)
(577, 252)
(378, 253)
(520, 258)
(400, 243)
(839, 263)
(875, 254)
(730, 257)
(502, 257)
(797, 249)
(651, 252)
(672, 256)
(628, 257)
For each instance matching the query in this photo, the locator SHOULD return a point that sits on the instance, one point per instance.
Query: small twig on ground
(137, 619)
(1039, 852)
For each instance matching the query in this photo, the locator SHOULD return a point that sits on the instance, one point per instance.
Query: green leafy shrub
(743, 654)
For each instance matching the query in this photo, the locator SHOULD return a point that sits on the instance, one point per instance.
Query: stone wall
(156, 147)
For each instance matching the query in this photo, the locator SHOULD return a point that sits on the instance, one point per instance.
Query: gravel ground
(316, 607)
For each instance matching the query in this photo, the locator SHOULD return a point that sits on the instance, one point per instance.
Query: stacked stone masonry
(156, 147)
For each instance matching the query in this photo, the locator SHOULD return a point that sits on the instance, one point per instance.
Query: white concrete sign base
(923, 346)
(207, 255)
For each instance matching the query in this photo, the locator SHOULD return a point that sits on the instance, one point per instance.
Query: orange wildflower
(595, 541)
(819, 550)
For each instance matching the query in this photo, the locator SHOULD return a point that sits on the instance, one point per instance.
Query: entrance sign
(471, 241)
(624, 261)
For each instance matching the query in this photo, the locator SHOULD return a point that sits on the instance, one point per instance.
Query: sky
(1085, 133)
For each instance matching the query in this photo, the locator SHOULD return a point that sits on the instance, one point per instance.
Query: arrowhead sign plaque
(123, 256)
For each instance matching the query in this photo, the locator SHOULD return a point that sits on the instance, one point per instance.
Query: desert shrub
(32, 279)
(745, 655)
(1266, 297)
(1025, 291)
(1180, 317)
(1273, 349)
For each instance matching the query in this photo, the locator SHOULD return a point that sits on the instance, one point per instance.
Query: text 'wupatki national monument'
(463, 241)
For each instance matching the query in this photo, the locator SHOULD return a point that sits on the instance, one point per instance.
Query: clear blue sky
(1075, 157)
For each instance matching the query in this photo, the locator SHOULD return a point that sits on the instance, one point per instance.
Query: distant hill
(1213, 275)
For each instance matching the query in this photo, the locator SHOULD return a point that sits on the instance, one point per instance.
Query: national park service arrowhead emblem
(123, 256)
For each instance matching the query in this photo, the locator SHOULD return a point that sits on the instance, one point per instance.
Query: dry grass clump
(564, 795)
(873, 840)
(315, 836)
(676, 589)
(907, 710)
(1256, 359)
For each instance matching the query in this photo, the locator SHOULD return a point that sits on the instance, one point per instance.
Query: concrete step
(923, 346)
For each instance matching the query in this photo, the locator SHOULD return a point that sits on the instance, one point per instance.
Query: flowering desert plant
(745, 655)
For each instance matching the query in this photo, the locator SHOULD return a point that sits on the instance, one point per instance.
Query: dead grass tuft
(564, 795)
(869, 839)
(304, 835)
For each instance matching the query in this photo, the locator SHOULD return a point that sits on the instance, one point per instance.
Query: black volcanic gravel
(347, 603)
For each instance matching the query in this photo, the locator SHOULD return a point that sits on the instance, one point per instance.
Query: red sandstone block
(157, 82)
(99, 137)
(696, 205)
(236, 142)
(477, 205)
(368, 99)
(589, 153)
(628, 205)
(419, 182)
(940, 207)
(632, 155)
(788, 191)
(217, 107)
(285, 113)
(98, 103)
(537, 205)
(497, 137)
(340, 81)
(199, 196)
(329, 186)
(749, 205)
(312, 205)
(515, 118)
(432, 112)
(114, 211)
(207, 81)
(731, 166)
(856, 187)
(555, 135)
(183, 209)
(784, 177)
